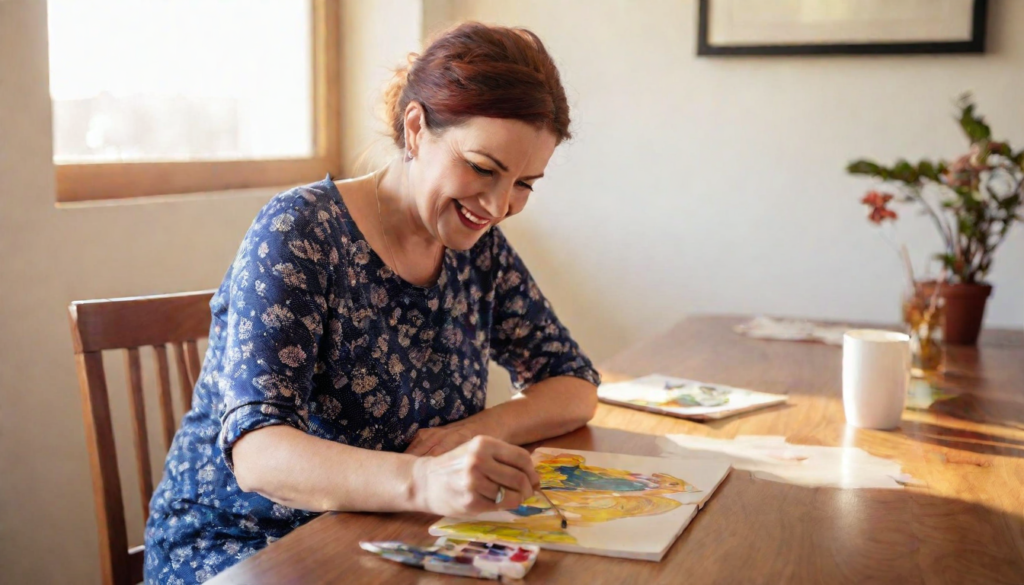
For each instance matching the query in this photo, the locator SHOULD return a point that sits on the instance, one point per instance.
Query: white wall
(378, 36)
(717, 185)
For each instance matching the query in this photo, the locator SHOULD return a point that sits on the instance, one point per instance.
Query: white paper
(792, 330)
(665, 394)
(772, 458)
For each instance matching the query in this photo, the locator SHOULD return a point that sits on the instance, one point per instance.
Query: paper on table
(792, 330)
(684, 398)
(772, 458)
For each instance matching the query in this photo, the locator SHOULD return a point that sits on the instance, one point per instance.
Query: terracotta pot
(965, 309)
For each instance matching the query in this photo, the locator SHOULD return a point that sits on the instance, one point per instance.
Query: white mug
(876, 375)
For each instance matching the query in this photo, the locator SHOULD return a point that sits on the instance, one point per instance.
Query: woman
(347, 366)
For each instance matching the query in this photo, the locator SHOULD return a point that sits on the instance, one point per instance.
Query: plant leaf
(927, 170)
(863, 167)
(905, 172)
(974, 126)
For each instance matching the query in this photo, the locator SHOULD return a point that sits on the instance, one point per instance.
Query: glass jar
(923, 315)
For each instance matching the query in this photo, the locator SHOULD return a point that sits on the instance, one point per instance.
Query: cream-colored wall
(50, 256)
(379, 35)
(717, 185)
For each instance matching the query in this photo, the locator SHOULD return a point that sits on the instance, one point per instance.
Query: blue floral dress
(311, 329)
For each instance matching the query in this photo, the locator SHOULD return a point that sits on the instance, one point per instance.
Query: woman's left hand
(439, 440)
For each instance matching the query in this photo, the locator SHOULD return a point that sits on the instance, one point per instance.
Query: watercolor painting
(616, 505)
(684, 398)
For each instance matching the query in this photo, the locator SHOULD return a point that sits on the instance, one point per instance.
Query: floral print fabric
(311, 329)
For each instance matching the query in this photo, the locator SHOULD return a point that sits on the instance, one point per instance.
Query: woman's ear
(415, 126)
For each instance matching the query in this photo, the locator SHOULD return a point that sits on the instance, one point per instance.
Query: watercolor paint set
(464, 558)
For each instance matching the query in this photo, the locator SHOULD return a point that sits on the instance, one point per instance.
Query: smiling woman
(347, 364)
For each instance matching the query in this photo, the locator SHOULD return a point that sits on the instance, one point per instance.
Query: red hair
(480, 70)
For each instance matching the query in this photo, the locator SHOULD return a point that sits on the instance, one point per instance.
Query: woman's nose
(496, 202)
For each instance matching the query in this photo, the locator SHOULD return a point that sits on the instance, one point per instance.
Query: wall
(378, 36)
(50, 256)
(717, 185)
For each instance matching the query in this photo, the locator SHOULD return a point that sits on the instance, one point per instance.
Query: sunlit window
(183, 81)
(135, 80)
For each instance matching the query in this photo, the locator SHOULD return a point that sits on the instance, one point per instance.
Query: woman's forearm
(298, 470)
(547, 409)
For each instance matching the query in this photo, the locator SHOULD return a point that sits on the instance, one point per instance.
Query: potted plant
(973, 202)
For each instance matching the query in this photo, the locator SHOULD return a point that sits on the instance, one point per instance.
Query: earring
(409, 156)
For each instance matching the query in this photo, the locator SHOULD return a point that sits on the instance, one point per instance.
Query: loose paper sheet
(772, 458)
(793, 330)
(684, 398)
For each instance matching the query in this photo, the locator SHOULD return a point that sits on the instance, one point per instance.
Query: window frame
(80, 182)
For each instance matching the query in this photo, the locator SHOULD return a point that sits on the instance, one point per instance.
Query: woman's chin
(461, 239)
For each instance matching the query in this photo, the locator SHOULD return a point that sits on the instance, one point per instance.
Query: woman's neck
(399, 214)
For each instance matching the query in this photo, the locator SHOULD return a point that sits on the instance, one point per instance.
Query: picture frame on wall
(840, 27)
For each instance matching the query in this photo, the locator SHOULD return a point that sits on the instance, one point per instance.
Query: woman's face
(471, 177)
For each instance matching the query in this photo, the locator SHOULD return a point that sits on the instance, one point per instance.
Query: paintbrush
(565, 523)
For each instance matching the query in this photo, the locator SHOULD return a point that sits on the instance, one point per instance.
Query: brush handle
(565, 522)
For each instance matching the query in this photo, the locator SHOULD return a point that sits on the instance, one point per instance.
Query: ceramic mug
(876, 376)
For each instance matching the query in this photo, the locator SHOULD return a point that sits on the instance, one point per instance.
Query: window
(155, 97)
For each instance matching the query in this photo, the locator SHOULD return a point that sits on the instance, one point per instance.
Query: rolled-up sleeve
(276, 310)
(527, 339)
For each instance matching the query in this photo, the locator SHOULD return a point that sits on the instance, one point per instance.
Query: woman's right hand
(465, 481)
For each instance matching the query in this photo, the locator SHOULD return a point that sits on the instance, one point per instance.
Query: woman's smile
(470, 219)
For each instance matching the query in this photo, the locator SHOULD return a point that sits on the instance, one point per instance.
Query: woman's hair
(479, 70)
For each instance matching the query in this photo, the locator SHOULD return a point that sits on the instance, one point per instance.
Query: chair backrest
(129, 324)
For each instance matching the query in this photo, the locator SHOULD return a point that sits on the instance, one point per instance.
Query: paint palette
(465, 558)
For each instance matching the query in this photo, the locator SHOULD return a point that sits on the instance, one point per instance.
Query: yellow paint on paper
(586, 495)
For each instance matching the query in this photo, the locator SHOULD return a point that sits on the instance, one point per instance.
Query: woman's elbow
(587, 403)
(245, 457)
(592, 403)
(244, 475)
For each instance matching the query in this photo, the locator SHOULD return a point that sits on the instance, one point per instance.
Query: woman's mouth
(470, 219)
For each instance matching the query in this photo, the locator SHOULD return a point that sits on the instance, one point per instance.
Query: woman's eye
(526, 186)
(481, 171)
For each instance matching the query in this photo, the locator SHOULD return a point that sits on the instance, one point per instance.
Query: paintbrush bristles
(565, 523)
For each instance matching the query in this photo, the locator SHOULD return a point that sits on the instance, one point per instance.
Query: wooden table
(965, 526)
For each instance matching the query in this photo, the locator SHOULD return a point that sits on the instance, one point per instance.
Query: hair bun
(393, 91)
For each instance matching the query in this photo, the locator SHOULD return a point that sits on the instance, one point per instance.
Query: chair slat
(137, 402)
(163, 379)
(184, 382)
(192, 360)
(140, 321)
(136, 562)
(106, 483)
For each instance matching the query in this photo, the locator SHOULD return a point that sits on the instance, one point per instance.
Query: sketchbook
(684, 398)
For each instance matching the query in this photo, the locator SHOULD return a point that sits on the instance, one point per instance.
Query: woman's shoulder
(301, 228)
(302, 209)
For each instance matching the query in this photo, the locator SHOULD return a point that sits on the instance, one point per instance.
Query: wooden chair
(129, 324)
